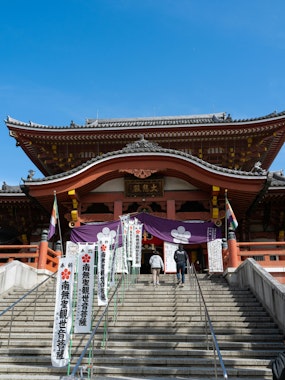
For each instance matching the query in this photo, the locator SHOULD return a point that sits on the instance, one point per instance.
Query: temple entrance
(149, 243)
(147, 232)
(196, 254)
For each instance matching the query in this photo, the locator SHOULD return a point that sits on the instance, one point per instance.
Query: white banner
(124, 228)
(71, 249)
(121, 261)
(85, 288)
(215, 258)
(114, 258)
(169, 263)
(137, 239)
(130, 239)
(103, 269)
(63, 312)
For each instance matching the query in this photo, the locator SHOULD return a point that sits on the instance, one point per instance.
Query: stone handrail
(269, 291)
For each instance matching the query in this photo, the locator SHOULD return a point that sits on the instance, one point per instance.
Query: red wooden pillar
(43, 250)
(118, 209)
(233, 250)
(171, 214)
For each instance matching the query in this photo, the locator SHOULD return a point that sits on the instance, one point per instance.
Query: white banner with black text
(103, 269)
(137, 243)
(215, 256)
(85, 288)
(63, 312)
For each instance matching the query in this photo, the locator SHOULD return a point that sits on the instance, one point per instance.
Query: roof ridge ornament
(142, 144)
(258, 169)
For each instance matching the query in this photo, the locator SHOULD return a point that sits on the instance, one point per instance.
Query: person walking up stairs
(156, 265)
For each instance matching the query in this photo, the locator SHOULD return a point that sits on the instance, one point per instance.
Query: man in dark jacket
(180, 257)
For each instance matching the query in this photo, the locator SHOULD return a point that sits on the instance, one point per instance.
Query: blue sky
(64, 60)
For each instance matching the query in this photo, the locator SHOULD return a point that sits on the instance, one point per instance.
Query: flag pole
(58, 220)
(226, 219)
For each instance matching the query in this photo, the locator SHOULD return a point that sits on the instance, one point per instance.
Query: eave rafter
(238, 144)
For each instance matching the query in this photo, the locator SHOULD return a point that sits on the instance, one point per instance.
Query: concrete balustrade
(269, 291)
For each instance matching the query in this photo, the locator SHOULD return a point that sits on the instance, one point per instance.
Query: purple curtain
(172, 231)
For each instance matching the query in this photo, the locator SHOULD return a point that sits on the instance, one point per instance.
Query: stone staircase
(158, 334)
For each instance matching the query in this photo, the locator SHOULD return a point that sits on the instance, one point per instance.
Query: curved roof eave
(242, 186)
(165, 153)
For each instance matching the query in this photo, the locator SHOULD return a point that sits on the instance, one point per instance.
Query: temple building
(179, 168)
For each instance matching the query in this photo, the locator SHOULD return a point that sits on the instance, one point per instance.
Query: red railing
(269, 254)
(266, 253)
(37, 256)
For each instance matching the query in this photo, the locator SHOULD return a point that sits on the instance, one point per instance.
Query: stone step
(195, 324)
(165, 328)
(193, 344)
(251, 318)
(190, 311)
(45, 352)
(261, 354)
(146, 360)
(21, 338)
(200, 372)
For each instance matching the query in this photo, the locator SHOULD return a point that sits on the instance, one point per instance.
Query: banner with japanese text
(130, 239)
(215, 258)
(169, 263)
(103, 268)
(71, 249)
(63, 312)
(121, 260)
(85, 287)
(137, 243)
(124, 222)
(113, 257)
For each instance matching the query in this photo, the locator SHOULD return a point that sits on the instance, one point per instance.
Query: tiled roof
(215, 118)
(10, 189)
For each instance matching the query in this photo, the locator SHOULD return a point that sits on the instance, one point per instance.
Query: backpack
(278, 367)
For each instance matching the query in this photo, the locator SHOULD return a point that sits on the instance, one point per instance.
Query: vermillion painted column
(43, 250)
(233, 250)
(171, 214)
(118, 209)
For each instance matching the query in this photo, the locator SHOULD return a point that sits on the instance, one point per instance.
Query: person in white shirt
(156, 265)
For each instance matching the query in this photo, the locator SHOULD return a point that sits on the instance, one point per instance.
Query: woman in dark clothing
(180, 257)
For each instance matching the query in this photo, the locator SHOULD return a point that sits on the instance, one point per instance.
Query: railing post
(43, 250)
(233, 250)
(58, 249)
